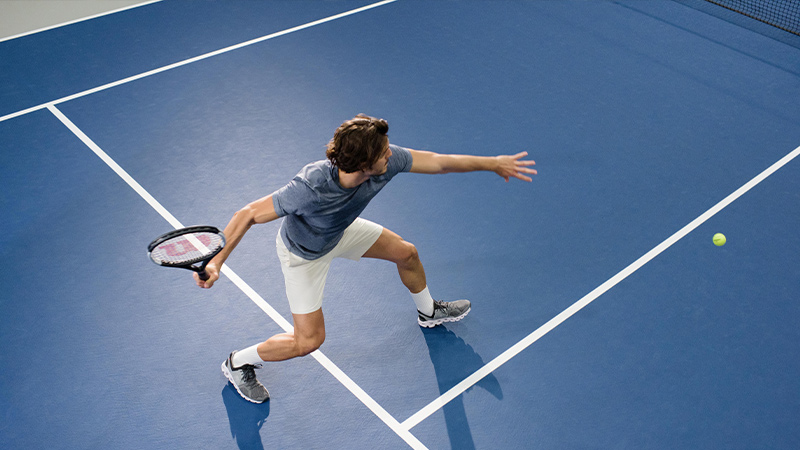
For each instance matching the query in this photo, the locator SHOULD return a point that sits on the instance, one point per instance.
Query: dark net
(783, 14)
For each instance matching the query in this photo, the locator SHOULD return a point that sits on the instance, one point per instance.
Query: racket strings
(187, 249)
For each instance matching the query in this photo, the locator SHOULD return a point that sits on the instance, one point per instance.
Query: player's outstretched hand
(213, 276)
(514, 166)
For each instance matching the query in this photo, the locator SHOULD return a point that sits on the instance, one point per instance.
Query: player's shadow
(453, 360)
(246, 418)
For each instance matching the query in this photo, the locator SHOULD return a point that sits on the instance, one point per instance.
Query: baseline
(329, 365)
(514, 350)
(194, 59)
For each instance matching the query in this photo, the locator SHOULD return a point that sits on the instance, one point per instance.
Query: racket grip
(203, 275)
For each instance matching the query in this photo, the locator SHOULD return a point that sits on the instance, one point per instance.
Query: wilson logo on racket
(183, 247)
(187, 248)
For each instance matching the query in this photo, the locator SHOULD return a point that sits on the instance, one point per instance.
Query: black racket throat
(199, 268)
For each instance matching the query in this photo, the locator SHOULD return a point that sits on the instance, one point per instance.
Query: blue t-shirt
(317, 209)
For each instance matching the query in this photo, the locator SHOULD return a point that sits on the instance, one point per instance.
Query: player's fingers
(520, 155)
(523, 177)
(213, 277)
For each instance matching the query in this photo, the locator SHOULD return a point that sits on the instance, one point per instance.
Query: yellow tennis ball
(719, 239)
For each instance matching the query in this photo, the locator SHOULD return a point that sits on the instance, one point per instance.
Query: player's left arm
(506, 166)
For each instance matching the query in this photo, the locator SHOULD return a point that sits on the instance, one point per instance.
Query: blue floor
(641, 116)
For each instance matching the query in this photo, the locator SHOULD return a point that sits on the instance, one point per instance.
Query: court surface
(603, 316)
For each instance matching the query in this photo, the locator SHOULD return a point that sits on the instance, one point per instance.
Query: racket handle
(203, 275)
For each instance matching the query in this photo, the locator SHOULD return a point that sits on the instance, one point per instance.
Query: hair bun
(381, 126)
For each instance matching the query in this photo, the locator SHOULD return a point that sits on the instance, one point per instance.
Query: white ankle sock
(246, 356)
(424, 301)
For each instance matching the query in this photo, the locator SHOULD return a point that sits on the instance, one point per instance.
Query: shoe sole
(433, 323)
(229, 376)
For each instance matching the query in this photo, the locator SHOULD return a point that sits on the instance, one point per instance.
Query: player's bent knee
(308, 345)
(409, 255)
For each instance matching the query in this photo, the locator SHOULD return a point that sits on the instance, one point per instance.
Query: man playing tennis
(321, 208)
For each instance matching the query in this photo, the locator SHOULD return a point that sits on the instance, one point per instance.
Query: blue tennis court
(603, 315)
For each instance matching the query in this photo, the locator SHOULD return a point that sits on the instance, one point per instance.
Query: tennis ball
(719, 239)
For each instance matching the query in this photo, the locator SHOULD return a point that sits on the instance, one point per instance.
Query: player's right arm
(259, 211)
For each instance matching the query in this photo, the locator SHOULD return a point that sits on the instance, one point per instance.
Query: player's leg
(239, 368)
(308, 335)
(368, 239)
(305, 282)
(391, 247)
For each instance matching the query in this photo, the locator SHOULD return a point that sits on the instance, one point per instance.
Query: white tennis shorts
(305, 280)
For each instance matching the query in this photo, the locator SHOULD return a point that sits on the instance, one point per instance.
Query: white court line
(504, 357)
(192, 60)
(334, 370)
(52, 27)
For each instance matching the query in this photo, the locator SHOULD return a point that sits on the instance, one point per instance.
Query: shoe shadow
(246, 419)
(453, 360)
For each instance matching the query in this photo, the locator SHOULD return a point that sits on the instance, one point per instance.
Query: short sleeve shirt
(317, 209)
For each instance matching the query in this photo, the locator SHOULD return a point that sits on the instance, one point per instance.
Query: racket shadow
(453, 360)
(246, 419)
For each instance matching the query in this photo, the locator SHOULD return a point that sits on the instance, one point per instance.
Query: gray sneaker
(444, 312)
(244, 380)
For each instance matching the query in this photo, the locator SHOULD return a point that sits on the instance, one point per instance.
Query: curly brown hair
(358, 143)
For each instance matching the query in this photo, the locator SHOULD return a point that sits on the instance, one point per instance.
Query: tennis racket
(187, 248)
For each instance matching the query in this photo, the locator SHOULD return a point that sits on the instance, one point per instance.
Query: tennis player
(321, 208)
